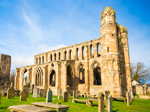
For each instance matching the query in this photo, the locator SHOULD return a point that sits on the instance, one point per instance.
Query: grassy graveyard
(137, 105)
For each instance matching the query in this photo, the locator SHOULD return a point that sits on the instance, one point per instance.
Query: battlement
(4, 57)
(108, 15)
(122, 29)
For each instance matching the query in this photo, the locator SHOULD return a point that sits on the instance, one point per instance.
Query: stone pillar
(101, 102)
(128, 100)
(95, 50)
(109, 103)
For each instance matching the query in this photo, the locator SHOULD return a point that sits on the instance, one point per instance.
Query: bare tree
(12, 77)
(140, 72)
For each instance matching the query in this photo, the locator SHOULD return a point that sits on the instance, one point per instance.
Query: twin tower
(97, 65)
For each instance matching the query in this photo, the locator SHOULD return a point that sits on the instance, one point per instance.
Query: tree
(140, 72)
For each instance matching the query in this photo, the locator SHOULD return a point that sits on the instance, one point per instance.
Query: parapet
(122, 29)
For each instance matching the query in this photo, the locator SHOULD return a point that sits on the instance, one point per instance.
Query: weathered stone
(2, 91)
(110, 103)
(11, 93)
(69, 96)
(74, 94)
(49, 96)
(41, 93)
(26, 88)
(128, 99)
(23, 95)
(60, 94)
(35, 92)
(101, 102)
(5, 91)
(77, 94)
(65, 97)
(89, 66)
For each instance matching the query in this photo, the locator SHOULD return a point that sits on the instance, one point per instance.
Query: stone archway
(52, 78)
(69, 76)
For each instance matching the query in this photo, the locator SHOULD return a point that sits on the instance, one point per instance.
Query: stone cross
(49, 96)
(41, 93)
(23, 95)
(74, 94)
(60, 94)
(11, 93)
(35, 92)
(101, 102)
(65, 98)
(128, 100)
(109, 103)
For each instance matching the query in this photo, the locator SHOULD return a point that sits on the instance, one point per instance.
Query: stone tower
(115, 53)
(5, 64)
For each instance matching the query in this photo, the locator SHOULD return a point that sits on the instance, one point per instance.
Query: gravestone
(74, 94)
(27, 89)
(101, 102)
(41, 92)
(60, 94)
(49, 96)
(109, 103)
(5, 91)
(65, 98)
(2, 91)
(128, 100)
(77, 94)
(11, 93)
(23, 95)
(35, 92)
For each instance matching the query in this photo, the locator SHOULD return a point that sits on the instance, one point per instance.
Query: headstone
(27, 89)
(74, 94)
(41, 93)
(109, 103)
(35, 92)
(2, 91)
(60, 94)
(77, 94)
(127, 96)
(65, 98)
(11, 93)
(5, 91)
(101, 102)
(23, 95)
(49, 96)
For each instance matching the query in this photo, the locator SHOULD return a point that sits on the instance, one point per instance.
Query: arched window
(70, 54)
(59, 56)
(51, 57)
(98, 50)
(43, 59)
(81, 74)
(52, 78)
(39, 60)
(39, 77)
(77, 54)
(55, 56)
(96, 74)
(107, 49)
(4, 57)
(36, 60)
(82, 52)
(65, 55)
(91, 51)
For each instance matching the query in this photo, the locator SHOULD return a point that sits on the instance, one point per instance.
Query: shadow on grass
(3, 107)
(115, 110)
(119, 100)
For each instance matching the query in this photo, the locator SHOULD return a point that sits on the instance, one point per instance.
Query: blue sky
(29, 27)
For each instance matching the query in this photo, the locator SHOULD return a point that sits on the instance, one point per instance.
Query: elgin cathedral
(89, 67)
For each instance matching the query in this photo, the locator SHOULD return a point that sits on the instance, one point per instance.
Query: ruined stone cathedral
(89, 67)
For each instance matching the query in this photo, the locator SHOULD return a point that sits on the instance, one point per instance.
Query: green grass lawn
(118, 106)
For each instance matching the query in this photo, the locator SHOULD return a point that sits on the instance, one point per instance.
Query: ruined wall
(5, 64)
(97, 65)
